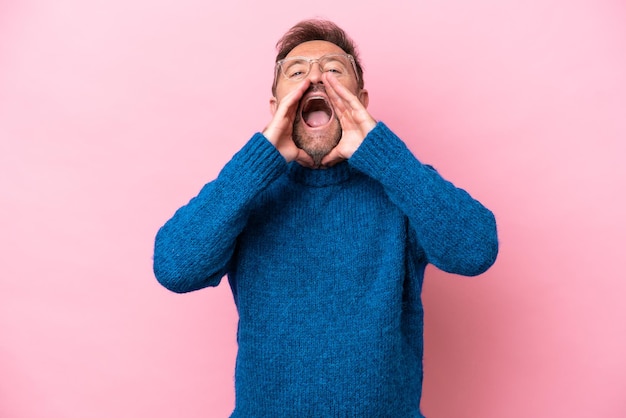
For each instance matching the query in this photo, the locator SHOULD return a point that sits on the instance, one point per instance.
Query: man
(324, 224)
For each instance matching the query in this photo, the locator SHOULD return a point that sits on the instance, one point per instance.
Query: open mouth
(316, 112)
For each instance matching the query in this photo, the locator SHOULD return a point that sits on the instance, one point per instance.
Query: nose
(315, 73)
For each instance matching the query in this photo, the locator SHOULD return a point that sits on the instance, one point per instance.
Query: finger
(285, 114)
(348, 106)
(289, 103)
(334, 97)
(342, 93)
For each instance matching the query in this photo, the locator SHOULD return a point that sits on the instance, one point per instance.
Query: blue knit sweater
(326, 269)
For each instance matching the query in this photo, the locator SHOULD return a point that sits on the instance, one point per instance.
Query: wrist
(283, 149)
(367, 126)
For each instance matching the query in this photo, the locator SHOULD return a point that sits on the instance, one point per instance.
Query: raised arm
(457, 233)
(194, 248)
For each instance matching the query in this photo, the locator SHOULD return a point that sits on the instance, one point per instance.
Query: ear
(273, 105)
(364, 97)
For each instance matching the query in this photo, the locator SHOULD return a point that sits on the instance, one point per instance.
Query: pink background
(114, 113)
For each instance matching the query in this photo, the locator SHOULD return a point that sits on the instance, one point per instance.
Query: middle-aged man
(324, 224)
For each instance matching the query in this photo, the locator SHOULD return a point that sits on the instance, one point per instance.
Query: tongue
(316, 118)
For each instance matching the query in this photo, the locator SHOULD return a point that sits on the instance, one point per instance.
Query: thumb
(332, 158)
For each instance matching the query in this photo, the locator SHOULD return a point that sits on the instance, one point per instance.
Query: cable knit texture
(326, 269)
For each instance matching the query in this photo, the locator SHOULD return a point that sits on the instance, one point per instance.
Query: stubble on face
(317, 144)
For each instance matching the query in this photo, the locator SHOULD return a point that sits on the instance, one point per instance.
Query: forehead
(315, 49)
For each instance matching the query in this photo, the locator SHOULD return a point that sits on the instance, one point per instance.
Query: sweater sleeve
(456, 232)
(194, 248)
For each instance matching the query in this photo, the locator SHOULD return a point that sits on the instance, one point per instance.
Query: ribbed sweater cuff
(257, 164)
(380, 151)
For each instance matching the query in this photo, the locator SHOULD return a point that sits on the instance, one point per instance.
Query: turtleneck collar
(320, 177)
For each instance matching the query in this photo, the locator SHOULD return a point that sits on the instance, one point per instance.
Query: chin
(316, 129)
(319, 142)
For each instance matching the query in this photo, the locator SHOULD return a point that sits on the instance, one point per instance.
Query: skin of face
(317, 142)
